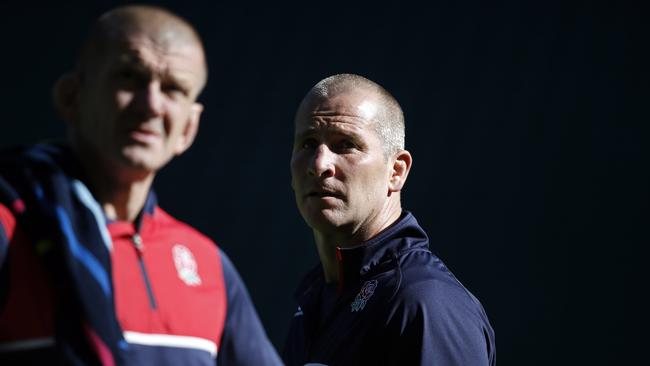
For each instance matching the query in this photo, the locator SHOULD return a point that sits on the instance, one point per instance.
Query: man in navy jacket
(379, 296)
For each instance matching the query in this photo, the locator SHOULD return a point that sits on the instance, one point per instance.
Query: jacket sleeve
(244, 341)
(440, 326)
(8, 199)
(7, 227)
(4, 235)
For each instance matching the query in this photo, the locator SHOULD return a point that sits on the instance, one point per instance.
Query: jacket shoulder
(427, 285)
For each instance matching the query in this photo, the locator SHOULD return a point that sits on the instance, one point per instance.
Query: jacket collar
(65, 157)
(403, 235)
(148, 209)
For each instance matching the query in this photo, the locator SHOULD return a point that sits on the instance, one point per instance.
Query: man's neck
(326, 243)
(124, 201)
(122, 192)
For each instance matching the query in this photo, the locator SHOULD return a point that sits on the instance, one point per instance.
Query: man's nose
(322, 162)
(150, 99)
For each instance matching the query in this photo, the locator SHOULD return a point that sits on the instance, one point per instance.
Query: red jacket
(178, 298)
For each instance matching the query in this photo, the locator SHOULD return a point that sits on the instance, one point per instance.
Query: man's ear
(65, 93)
(402, 162)
(191, 129)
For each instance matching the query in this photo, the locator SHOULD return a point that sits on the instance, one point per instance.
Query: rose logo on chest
(188, 270)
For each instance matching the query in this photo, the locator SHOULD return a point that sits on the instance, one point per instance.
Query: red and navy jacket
(175, 296)
(395, 304)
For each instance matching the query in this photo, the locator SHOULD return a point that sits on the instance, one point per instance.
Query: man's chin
(139, 158)
(324, 220)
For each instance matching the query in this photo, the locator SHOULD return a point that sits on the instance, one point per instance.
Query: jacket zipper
(339, 259)
(139, 246)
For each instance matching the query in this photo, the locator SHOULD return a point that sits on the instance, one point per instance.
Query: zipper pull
(339, 256)
(339, 259)
(137, 242)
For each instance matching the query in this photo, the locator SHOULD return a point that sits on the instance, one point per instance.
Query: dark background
(527, 123)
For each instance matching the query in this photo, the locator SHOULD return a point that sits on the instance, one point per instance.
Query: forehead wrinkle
(343, 116)
(341, 119)
(160, 47)
(144, 62)
(320, 126)
(158, 60)
(348, 104)
(145, 47)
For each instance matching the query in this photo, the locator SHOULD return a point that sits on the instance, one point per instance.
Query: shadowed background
(527, 123)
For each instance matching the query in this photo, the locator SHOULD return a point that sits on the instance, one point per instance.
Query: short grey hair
(390, 119)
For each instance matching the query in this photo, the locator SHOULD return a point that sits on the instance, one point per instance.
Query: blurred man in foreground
(92, 270)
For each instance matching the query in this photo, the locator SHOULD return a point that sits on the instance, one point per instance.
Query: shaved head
(163, 28)
(131, 103)
(389, 119)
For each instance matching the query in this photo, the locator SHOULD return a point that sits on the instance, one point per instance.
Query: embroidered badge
(298, 312)
(362, 297)
(186, 265)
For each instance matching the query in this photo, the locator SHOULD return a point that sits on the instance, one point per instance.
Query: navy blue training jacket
(395, 304)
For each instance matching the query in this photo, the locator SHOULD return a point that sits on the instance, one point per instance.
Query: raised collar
(403, 235)
(148, 209)
(65, 158)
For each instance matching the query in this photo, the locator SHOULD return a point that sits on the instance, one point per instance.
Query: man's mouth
(144, 135)
(324, 194)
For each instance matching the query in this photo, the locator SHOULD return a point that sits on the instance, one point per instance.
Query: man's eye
(346, 145)
(309, 144)
(127, 75)
(129, 78)
(173, 89)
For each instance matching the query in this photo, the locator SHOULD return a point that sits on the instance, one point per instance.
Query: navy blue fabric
(69, 240)
(418, 313)
(244, 340)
